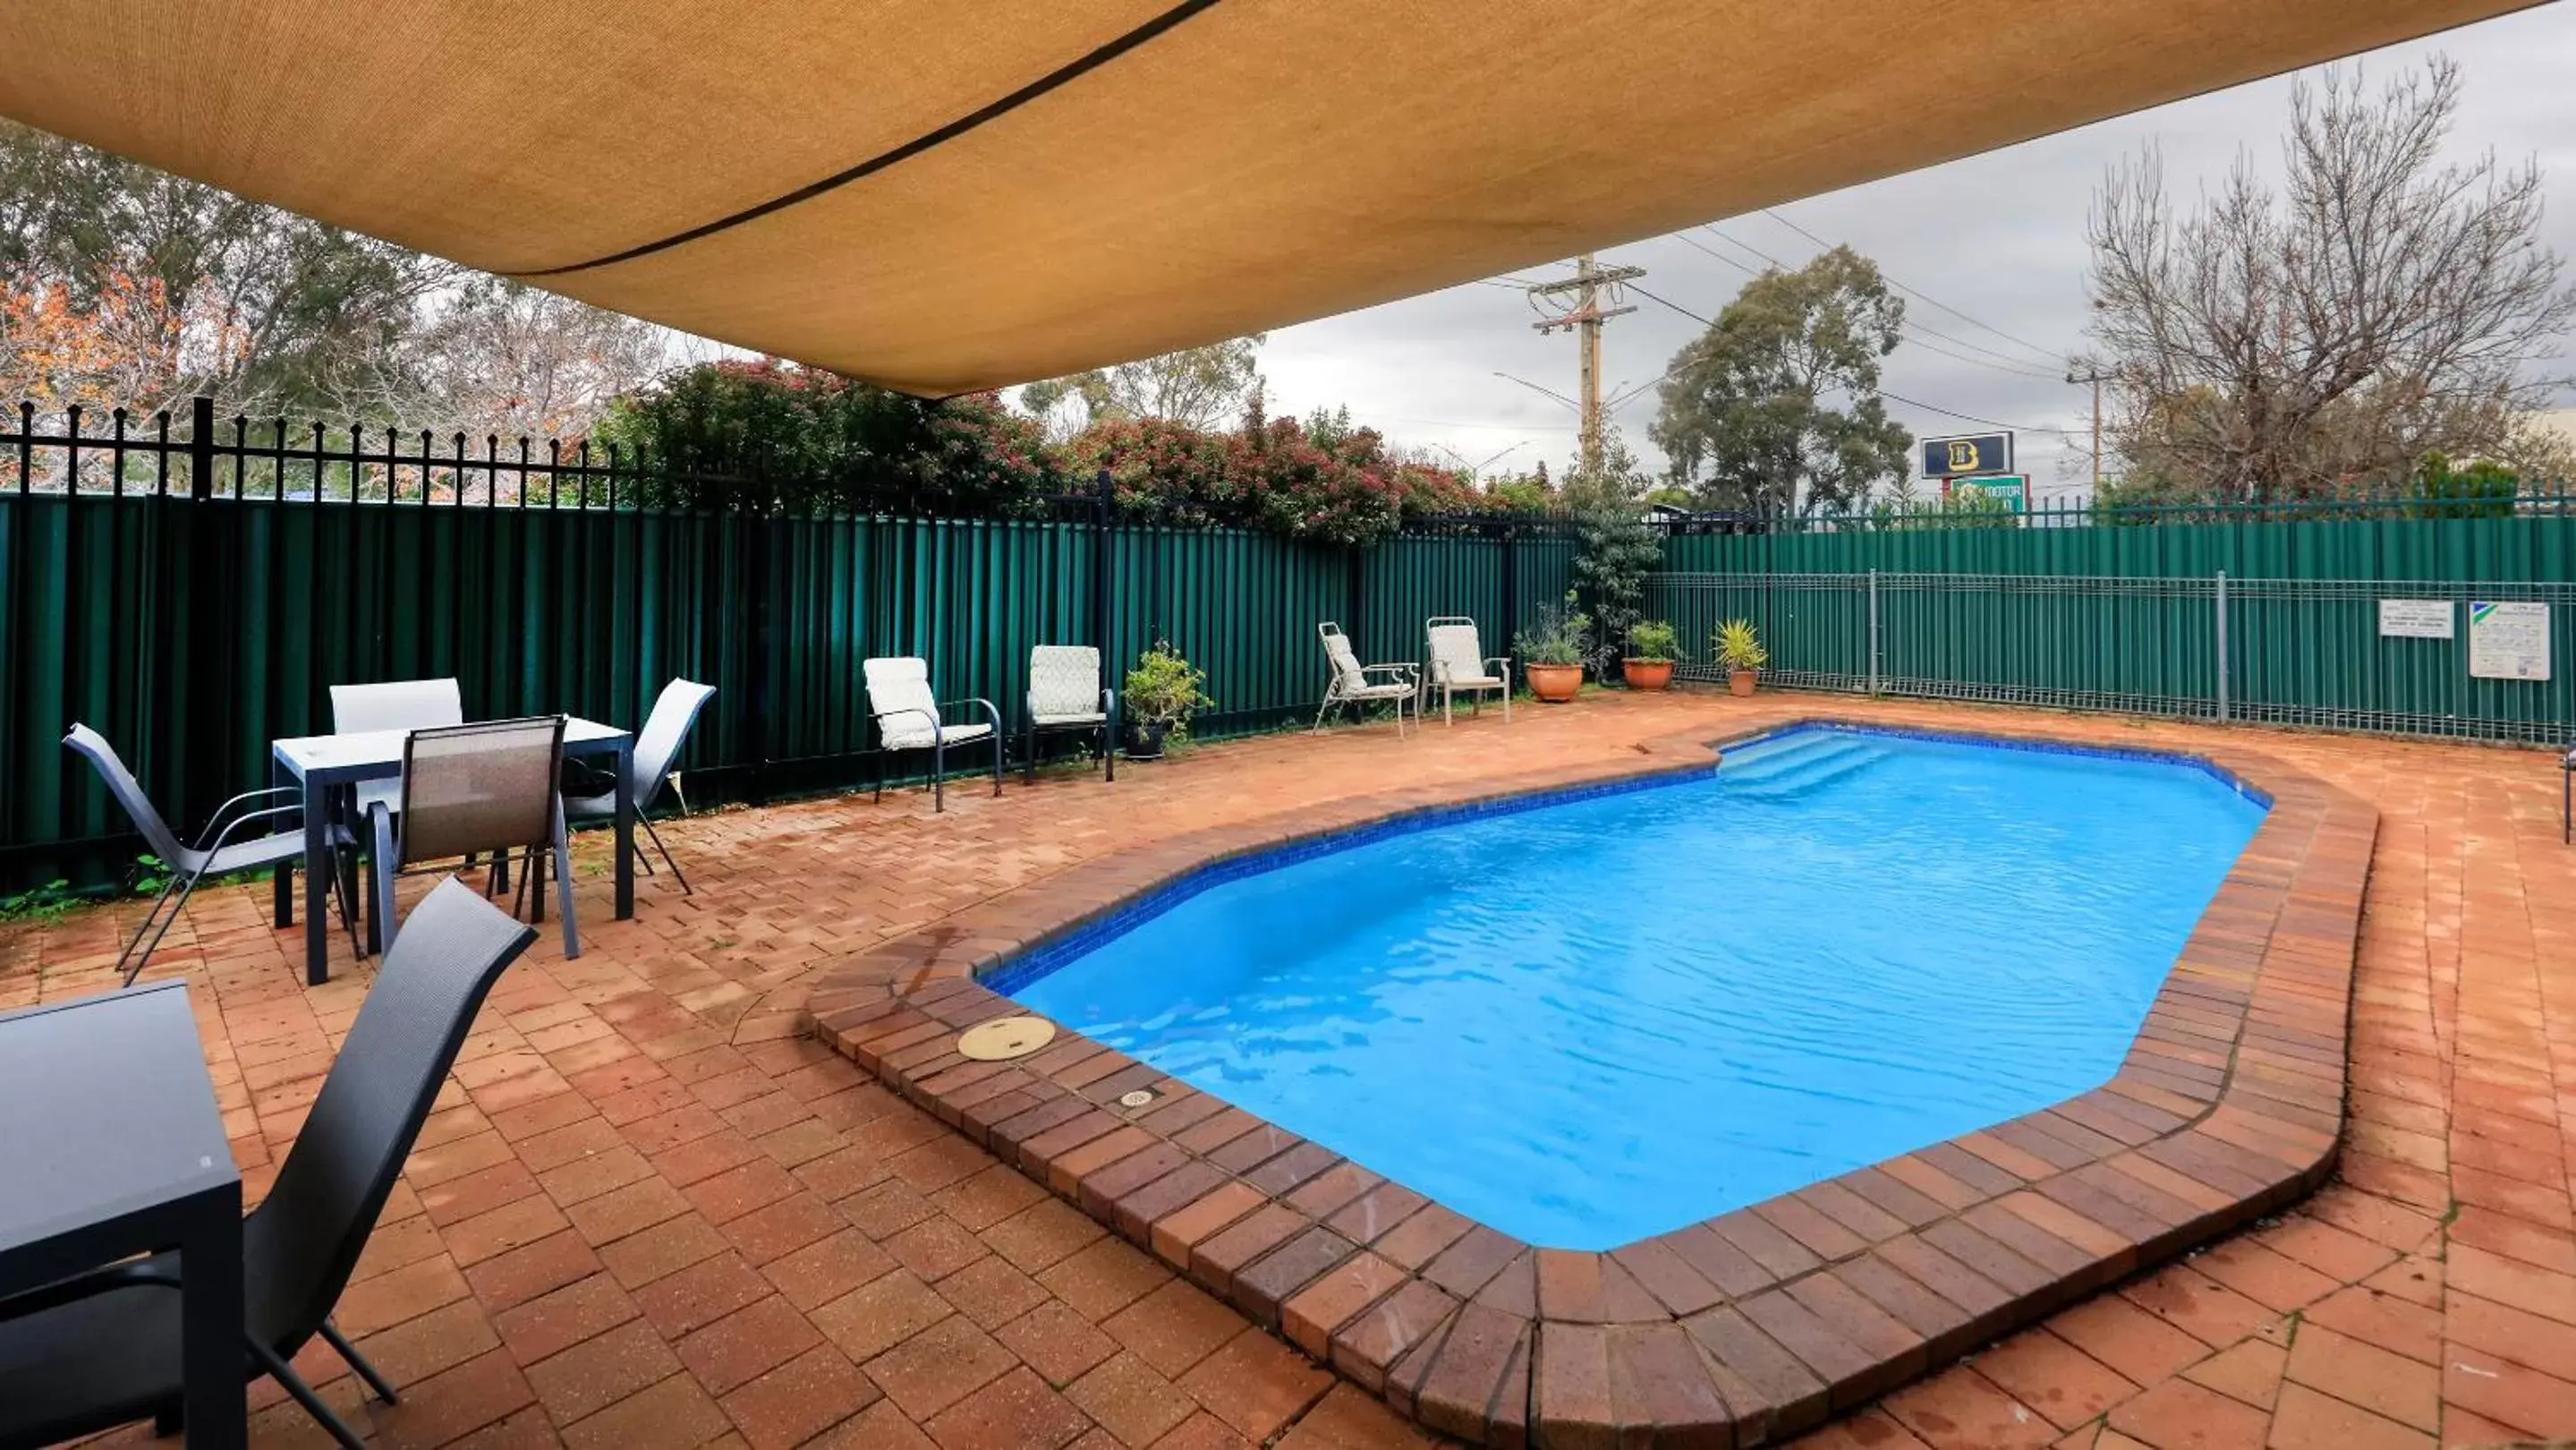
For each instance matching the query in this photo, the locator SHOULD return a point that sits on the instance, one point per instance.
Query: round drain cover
(1137, 1099)
(1004, 1038)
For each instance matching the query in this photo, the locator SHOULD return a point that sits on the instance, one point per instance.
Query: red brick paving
(593, 1204)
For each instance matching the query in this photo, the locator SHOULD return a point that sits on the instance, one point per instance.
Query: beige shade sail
(944, 195)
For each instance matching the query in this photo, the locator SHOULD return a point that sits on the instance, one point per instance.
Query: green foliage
(771, 437)
(1615, 552)
(1743, 418)
(1653, 640)
(2480, 491)
(1530, 492)
(1197, 387)
(1324, 480)
(262, 308)
(1165, 689)
(49, 902)
(151, 873)
(1558, 635)
(1975, 508)
(1738, 648)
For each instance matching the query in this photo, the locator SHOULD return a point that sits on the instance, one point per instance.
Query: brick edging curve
(1745, 1328)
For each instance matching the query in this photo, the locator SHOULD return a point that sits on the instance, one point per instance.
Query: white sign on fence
(2415, 618)
(2508, 641)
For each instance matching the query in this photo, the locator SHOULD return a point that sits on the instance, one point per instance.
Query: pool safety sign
(2508, 641)
(2416, 618)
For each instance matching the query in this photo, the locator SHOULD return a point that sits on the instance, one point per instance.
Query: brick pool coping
(1741, 1329)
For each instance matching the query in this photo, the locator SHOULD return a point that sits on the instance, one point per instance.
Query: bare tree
(1204, 387)
(2377, 305)
(502, 357)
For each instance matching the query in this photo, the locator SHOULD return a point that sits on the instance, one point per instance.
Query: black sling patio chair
(103, 1348)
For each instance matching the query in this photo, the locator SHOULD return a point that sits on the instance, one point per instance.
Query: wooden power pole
(2096, 377)
(1584, 319)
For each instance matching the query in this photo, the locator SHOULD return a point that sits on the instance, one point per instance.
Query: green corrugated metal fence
(193, 633)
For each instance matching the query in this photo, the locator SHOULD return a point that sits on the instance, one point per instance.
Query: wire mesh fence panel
(1815, 626)
(2283, 651)
(2082, 642)
(2314, 652)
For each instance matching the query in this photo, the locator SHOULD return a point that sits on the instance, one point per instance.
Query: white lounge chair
(1065, 693)
(1459, 666)
(908, 718)
(1350, 683)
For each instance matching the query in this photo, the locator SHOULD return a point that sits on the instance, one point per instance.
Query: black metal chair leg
(284, 1373)
(1029, 764)
(342, 1347)
(656, 836)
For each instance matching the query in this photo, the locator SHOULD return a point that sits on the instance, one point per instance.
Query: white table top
(381, 751)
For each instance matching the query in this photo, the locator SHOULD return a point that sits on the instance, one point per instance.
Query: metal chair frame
(1437, 678)
(190, 864)
(1409, 670)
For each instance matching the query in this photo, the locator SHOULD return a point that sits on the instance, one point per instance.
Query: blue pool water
(1604, 1018)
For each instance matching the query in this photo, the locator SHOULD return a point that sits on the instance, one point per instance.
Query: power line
(2054, 358)
(1882, 392)
(1583, 318)
(2006, 364)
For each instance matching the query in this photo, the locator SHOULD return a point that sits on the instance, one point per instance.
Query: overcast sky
(1421, 370)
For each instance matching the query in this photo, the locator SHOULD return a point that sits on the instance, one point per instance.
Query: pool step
(1792, 773)
(1779, 751)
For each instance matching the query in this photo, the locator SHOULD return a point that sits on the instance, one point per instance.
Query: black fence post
(1104, 509)
(1511, 610)
(201, 448)
(1356, 590)
(756, 665)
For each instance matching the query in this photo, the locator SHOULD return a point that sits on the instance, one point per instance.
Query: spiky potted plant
(1552, 650)
(1162, 691)
(1742, 654)
(1648, 664)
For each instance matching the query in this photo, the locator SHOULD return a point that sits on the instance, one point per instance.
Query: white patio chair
(675, 713)
(1065, 693)
(1458, 666)
(908, 718)
(467, 789)
(392, 705)
(1350, 684)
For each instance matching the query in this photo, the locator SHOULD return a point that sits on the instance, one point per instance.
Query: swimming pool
(1588, 1020)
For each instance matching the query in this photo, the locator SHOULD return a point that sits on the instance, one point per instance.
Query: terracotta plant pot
(1740, 682)
(1555, 684)
(1647, 674)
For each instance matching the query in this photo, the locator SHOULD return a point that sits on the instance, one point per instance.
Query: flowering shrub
(1161, 472)
(768, 435)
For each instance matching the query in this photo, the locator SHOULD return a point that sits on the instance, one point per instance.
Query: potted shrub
(1648, 664)
(1742, 654)
(1162, 691)
(1551, 652)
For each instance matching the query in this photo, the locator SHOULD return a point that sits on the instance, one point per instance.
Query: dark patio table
(111, 1145)
(322, 764)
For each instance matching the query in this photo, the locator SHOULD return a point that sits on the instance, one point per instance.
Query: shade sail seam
(1070, 71)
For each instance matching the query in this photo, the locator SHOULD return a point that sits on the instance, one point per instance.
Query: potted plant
(1648, 664)
(1742, 654)
(1162, 691)
(1551, 652)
